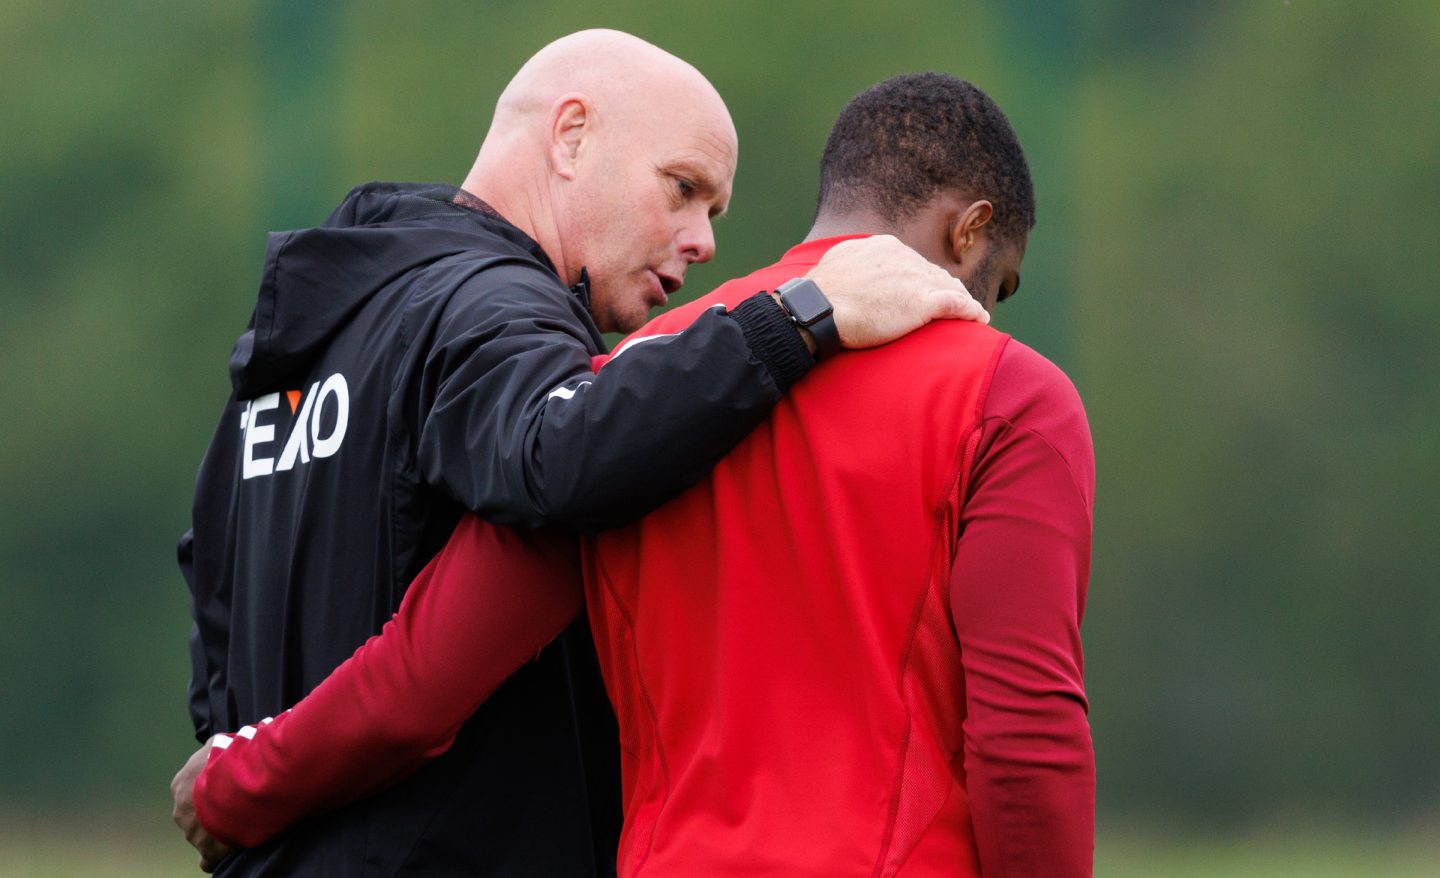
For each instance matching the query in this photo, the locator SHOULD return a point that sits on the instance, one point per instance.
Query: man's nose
(697, 242)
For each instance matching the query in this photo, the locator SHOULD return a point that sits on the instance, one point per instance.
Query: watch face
(803, 299)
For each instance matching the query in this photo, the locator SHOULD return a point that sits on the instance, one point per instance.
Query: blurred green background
(1235, 261)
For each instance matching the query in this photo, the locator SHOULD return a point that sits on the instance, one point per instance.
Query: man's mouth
(666, 284)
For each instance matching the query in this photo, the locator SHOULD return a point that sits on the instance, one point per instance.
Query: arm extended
(519, 428)
(482, 608)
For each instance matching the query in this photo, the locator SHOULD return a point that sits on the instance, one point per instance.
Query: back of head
(898, 144)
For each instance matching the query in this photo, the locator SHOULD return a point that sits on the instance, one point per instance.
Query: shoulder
(1022, 374)
(505, 287)
(1035, 395)
(507, 276)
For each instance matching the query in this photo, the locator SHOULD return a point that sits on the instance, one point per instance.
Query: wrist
(773, 340)
(812, 314)
(805, 334)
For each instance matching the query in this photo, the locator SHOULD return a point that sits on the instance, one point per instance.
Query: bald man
(427, 351)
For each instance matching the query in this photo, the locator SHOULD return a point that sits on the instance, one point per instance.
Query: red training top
(783, 643)
(833, 683)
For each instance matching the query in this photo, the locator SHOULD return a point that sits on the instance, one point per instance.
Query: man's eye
(685, 186)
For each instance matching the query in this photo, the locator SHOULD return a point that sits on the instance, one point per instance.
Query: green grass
(1295, 853)
(131, 845)
(106, 845)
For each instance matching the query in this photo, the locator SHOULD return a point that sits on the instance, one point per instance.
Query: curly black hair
(899, 143)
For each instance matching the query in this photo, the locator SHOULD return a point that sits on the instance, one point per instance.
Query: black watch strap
(808, 307)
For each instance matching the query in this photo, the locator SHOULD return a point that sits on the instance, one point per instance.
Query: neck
(829, 224)
(522, 208)
(925, 232)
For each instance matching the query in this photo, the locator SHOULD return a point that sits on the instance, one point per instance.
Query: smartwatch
(809, 308)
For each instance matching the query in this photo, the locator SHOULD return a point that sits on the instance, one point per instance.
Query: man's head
(932, 160)
(615, 156)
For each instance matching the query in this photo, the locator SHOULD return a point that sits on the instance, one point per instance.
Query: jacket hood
(315, 279)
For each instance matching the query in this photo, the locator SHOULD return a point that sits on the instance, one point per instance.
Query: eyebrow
(700, 180)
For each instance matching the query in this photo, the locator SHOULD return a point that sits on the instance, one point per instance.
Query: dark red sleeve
(482, 608)
(1017, 591)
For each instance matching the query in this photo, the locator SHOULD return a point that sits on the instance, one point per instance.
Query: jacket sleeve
(200, 551)
(483, 607)
(522, 430)
(1018, 595)
(200, 714)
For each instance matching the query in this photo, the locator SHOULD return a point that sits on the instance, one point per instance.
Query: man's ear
(967, 227)
(569, 124)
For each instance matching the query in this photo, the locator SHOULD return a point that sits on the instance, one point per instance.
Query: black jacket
(411, 358)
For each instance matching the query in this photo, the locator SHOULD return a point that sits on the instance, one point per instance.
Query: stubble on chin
(622, 317)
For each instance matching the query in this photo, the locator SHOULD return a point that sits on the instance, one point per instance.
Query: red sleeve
(1017, 591)
(482, 608)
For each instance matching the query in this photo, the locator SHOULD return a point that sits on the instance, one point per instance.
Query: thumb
(954, 304)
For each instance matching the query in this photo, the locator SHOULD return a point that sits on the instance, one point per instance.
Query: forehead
(700, 153)
(684, 117)
(697, 138)
(705, 155)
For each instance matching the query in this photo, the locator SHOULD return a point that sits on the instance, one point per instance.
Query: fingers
(952, 304)
(212, 852)
(182, 788)
(881, 290)
(183, 810)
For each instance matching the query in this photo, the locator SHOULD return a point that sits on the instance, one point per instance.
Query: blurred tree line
(1234, 260)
